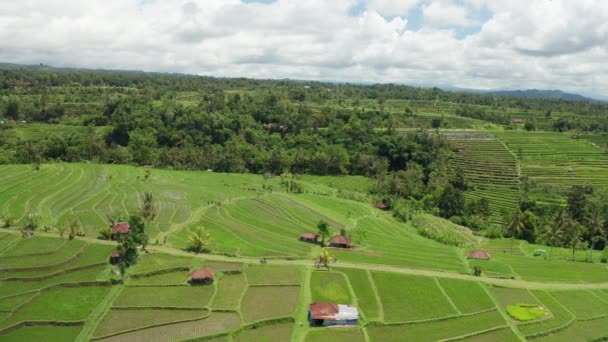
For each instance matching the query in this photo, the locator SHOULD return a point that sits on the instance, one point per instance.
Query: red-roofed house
(483, 255)
(340, 241)
(202, 276)
(328, 314)
(115, 257)
(119, 228)
(309, 237)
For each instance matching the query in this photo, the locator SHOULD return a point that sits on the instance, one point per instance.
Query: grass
(42, 333)
(499, 335)
(560, 316)
(329, 287)
(525, 312)
(269, 302)
(60, 304)
(410, 298)
(170, 278)
(437, 330)
(367, 300)
(160, 296)
(121, 320)
(584, 304)
(34, 245)
(229, 292)
(507, 296)
(67, 251)
(268, 333)
(469, 297)
(334, 335)
(159, 261)
(592, 330)
(443, 231)
(273, 275)
(217, 322)
(13, 287)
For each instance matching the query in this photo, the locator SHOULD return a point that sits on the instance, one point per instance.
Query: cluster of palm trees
(564, 231)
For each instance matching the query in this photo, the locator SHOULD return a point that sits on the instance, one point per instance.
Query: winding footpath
(517, 283)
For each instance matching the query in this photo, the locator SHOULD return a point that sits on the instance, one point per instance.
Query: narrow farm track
(516, 283)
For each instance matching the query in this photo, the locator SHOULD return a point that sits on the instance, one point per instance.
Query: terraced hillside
(491, 170)
(556, 160)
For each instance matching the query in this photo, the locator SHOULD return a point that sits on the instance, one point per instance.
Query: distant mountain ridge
(541, 94)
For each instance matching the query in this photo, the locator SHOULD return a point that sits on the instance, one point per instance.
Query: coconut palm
(148, 208)
(516, 227)
(199, 239)
(596, 229)
(554, 234)
(325, 258)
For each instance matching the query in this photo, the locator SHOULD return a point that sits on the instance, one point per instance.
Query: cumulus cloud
(520, 44)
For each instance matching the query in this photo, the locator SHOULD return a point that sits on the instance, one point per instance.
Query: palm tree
(574, 234)
(325, 258)
(516, 227)
(596, 227)
(148, 209)
(553, 234)
(199, 239)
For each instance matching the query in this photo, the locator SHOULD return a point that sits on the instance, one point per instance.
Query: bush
(525, 312)
(477, 271)
(604, 258)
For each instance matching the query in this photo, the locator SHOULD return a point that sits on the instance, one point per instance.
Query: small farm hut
(381, 205)
(309, 237)
(120, 228)
(115, 257)
(482, 255)
(518, 120)
(340, 241)
(203, 276)
(325, 314)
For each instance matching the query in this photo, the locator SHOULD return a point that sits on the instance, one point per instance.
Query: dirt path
(517, 283)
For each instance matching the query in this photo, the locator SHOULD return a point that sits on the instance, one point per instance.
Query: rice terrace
(152, 206)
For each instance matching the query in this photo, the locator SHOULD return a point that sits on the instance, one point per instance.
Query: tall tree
(553, 234)
(595, 222)
(148, 208)
(323, 228)
(516, 227)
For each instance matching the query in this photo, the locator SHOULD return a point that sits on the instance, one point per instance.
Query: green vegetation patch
(561, 316)
(269, 302)
(510, 296)
(437, 330)
(9, 303)
(216, 323)
(42, 333)
(268, 333)
(159, 261)
(169, 278)
(334, 335)
(468, 296)
(34, 245)
(526, 312)
(367, 300)
(443, 231)
(410, 298)
(13, 287)
(60, 304)
(121, 320)
(499, 335)
(584, 304)
(66, 252)
(590, 330)
(329, 287)
(230, 289)
(165, 296)
(273, 275)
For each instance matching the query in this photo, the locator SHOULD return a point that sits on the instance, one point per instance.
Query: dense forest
(287, 127)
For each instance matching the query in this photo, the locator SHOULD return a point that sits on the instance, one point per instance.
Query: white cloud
(446, 13)
(524, 44)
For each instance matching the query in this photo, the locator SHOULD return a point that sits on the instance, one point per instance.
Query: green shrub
(525, 312)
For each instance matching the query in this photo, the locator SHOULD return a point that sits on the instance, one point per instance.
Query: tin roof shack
(115, 257)
(325, 314)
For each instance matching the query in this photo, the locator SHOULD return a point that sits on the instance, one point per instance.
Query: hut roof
(479, 255)
(341, 240)
(381, 205)
(115, 254)
(120, 227)
(309, 235)
(323, 310)
(333, 311)
(203, 273)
